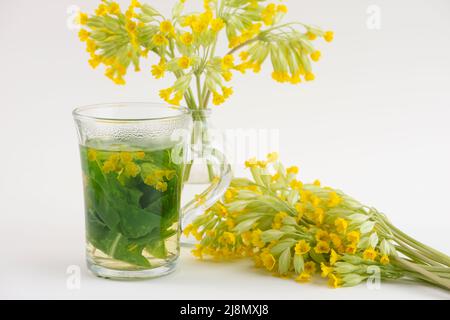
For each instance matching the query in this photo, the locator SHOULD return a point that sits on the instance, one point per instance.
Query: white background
(375, 123)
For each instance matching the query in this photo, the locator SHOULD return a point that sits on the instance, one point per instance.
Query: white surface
(375, 124)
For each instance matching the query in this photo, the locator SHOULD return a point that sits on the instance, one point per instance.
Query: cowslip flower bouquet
(296, 229)
(185, 45)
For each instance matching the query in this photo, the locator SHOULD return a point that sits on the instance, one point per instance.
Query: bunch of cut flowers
(296, 230)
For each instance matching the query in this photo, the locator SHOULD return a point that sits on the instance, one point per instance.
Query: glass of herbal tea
(133, 159)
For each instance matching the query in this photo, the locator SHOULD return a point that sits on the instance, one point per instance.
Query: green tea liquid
(132, 205)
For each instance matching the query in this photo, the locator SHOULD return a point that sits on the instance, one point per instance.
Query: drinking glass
(133, 158)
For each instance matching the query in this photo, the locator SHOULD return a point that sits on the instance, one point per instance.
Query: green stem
(423, 251)
(420, 246)
(243, 45)
(199, 91)
(437, 269)
(113, 249)
(418, 257)
(427, 275)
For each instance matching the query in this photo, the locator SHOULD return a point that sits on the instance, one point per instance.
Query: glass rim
(81, 112)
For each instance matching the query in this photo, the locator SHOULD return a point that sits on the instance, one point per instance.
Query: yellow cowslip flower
(282, 8)
(311, 36)
(132, 169)
(278, 220)
(92, 155)
(101, 10)
(275, 177)
(160, 40)
(211, 233)
(268, 260)
(370, 254)
(341, 225)
(319, 216)
(184, 62)
(125, 157)
(353, 237)
(197, 235)
(322, 235)
(280, 76)
(334, 281)
(217, 24)
(166, 27)
(295, 78)
(220, 209)
(341, 249)
(166, 93)
(119, 80)
(161, 186)
(227, 92)
(150, 180)
(82, 18)
(326, 270)
(113, 8)
(295, 184)
(317, 183)
(176, 99)
(256, 67)
(188, 229)
(169, 174)
(322, 247)
(198, 251)
(187, 38)
(188, 20)
(227, 75)
(268, 14)
(199, 25)
(243, 67)
(309, 76)
(228, 238)
(230, 223)
(91, 46)
(300, 211)
(334, 257)
(108, 167)
(234, 42)
(384, 260)
(256, 238)
(315, 56)
(302, 247)
(310, 267)
(292, 170)
(83, 34)
(229, 195)
(257, 260)
(228, 62)
(246, 238)
(351, 249)
(335, 200)
(303, 277)
(328, 36)
(244, 55)
(135, 4)
(336, 240)
(272, 157)
(218, 99)
(95, 61)
(139, 155)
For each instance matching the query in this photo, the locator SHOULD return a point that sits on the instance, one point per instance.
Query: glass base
(115, 274)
